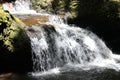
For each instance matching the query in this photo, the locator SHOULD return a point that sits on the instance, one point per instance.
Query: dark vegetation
(102, 17)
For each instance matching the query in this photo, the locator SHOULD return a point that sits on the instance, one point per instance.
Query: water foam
(19, 7)
(49, 72)
(61, 45)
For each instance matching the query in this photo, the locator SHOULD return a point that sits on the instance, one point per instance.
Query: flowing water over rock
(19, 7)
(64, 52)
(58, 46)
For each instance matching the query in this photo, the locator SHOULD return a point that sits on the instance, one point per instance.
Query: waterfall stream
(57, 45)
(19, 7)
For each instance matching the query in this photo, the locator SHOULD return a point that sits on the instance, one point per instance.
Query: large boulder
(15, 48)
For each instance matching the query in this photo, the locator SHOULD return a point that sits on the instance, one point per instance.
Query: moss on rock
(12, 33)
(15, 48)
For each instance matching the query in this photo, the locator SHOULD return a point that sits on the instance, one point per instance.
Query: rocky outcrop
(15, 48)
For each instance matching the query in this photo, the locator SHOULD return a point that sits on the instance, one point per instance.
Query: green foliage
(98, 8)
(12, 34)
(41, 5)
(111, 9)
(83, 8)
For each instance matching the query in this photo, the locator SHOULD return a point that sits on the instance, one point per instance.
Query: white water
(62, 46)
(19, 7)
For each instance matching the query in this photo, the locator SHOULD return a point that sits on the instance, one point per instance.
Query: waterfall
(19, 7)
(57, 44)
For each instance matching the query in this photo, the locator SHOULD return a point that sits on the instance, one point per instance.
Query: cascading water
(19, 7)
(58, 45)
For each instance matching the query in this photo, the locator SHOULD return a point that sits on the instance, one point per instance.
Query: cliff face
(15, 49)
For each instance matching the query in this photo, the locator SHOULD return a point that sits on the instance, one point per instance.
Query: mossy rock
(15, 47)
(12, 33)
